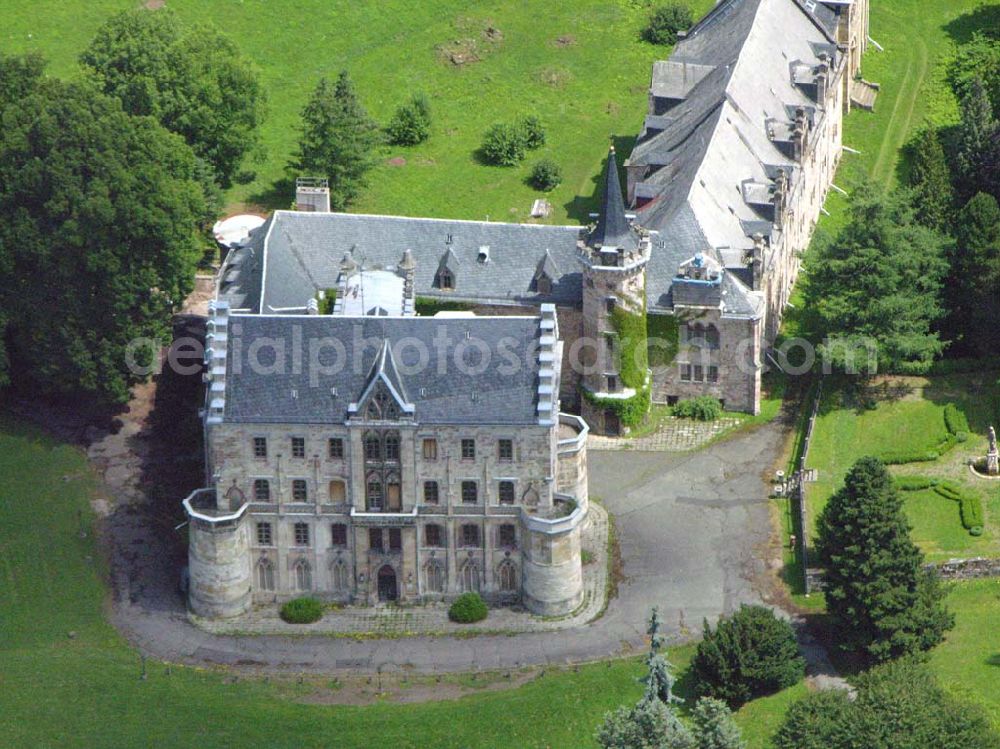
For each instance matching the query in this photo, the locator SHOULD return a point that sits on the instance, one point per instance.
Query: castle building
(371, 455)
(724, 187)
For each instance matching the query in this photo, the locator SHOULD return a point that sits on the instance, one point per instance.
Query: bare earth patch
(154, 4)
(396, 161)
(566, 40)
(555, 77)
(479, 39)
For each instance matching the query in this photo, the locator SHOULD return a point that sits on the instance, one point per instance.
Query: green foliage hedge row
(302, 611)
(969, 505)
(702, 408)
(901, 457)
(468, 608)
(426, 306)
(955, 421)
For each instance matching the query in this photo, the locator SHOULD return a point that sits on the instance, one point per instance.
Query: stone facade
(369, 509)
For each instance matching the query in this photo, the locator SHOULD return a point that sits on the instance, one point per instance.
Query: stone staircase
(863, 94)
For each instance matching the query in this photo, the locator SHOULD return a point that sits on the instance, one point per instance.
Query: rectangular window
(470, 535)
(299, 491)
(338, 534)
(431, 492)
(298, 447)
(336, 448)
(433, 536)
(302, 534)
(265, 537)
(685, 373)
(261, 490)
(506, 492)
(470, 492)
(468, 449)
(260, 447)
(430, 449)
(505, 450)
(506, 536)
(375, 539)
(699, 373)
(612, 383)
(395, 539)
(713, 374)
(609, 304)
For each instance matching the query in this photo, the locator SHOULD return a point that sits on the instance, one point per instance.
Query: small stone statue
(993, 456)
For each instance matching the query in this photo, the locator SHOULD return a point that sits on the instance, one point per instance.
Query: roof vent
(333, 392)
(295, 394)
(484, 253)
(423, 392)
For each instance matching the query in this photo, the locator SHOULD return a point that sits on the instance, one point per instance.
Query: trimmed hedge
(955, 421)
(914, 483)
(970, 507)
(901, 457)
(702, 408)
(426, 306)
(302, 611)
(468, 608)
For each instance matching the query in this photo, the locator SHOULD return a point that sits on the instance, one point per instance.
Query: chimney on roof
(800, 134)
(780, 197)
(312, 194)
(822, 78)
(757, 263)
(407, 268)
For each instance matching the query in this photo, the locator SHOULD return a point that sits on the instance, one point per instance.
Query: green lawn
(968, 662)
(580, 66)
(909, 415)
(84, 690)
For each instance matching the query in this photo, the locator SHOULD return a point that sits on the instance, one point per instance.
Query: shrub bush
(913, 483)
(468, 608)
(702, 408)
(532, 131)
(302, 611)
(545, 175)
(970, 507)
(504, 145)
(750, 654)
(955, 420)
(901, 457)
(666, 21)
(411, 124)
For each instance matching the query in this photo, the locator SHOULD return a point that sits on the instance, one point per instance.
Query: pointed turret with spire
(613, 228)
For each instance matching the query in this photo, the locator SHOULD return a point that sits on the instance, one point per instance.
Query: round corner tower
(614, 257)
(218, 557)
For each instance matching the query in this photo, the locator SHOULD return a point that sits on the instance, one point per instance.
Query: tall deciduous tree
(877, 283)
(974, 286)
(20, 76)
(930, 178)
(884, 603)
(338, 140)
(99, 240)
(191, 78)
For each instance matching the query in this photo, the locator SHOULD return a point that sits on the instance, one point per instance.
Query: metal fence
(800, 483)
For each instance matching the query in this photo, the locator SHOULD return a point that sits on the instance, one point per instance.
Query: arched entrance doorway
(387, 590)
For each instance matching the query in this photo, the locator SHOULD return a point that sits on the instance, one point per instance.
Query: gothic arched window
(470, 577)
(265, 575)
(373, 446)
(508, 577)
(392, 446)
(712, 336)
(435, 577)
(338, 576)
(373, 494)
(302, 575)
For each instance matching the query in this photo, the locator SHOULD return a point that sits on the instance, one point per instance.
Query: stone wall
(968, 569)
(219, 569)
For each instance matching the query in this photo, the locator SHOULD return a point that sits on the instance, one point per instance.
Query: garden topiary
(750, 654)
(702, 408)
(468, 608)
(666, 22)
(302, 611)
(545, 175)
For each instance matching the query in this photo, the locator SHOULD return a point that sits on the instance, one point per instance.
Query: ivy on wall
(663, 333)
(633, 352)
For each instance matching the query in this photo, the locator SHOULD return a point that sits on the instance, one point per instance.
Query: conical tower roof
(613, 229)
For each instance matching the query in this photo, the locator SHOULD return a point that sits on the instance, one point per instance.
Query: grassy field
(580, 66)
(909, 415)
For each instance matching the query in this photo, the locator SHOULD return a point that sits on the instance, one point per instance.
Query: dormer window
(445, 280)
(484, 254)
(543, 285)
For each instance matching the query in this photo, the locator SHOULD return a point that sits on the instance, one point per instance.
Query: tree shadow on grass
(993, 660)
(984, 19)
(279, 195)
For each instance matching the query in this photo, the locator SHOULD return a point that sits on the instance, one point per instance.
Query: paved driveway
(693, 529)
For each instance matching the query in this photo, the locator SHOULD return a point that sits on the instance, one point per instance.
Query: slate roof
(441, 391)
(295, 254)
(707, 163)
(613, 228)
